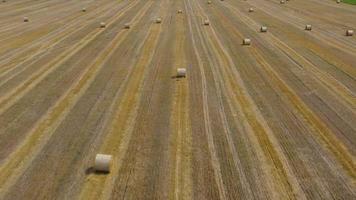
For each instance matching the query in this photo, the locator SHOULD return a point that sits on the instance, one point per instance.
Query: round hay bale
(102, 163)
(180, 11)
(349, 32)
(282, 2)
(263, 29)
(308, 27)
(250, 10)
(84, 9)
(209, 2)
(246, 41)
(206, 22)
(25, 19)
(181, 72)
(127, 26)
(338, 1)
(158, 20)
(102, 25)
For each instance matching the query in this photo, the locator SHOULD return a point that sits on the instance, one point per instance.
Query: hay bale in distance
(308, 27)
(181, 72)
(338, 1)
(282, 2)
(349, 32)
(246, 41)
(206, 22)
(180, 11)
(127, 26)
(263, 29)
(102, 25)
(25, 19)
(209, 2)
(102, 163)
(250, 10)
(158, 20)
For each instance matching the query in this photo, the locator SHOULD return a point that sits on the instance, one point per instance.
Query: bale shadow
(91, 170)
(177, 78)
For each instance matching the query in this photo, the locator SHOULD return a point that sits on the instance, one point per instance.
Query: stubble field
(272, 120)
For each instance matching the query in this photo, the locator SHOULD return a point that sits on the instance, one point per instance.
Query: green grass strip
(353, 2)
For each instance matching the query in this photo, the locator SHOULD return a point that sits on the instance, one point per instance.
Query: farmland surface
(272, 120)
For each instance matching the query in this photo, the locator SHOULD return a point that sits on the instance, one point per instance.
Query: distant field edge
(353, 2)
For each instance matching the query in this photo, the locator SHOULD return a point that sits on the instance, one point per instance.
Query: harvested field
(275, 119)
